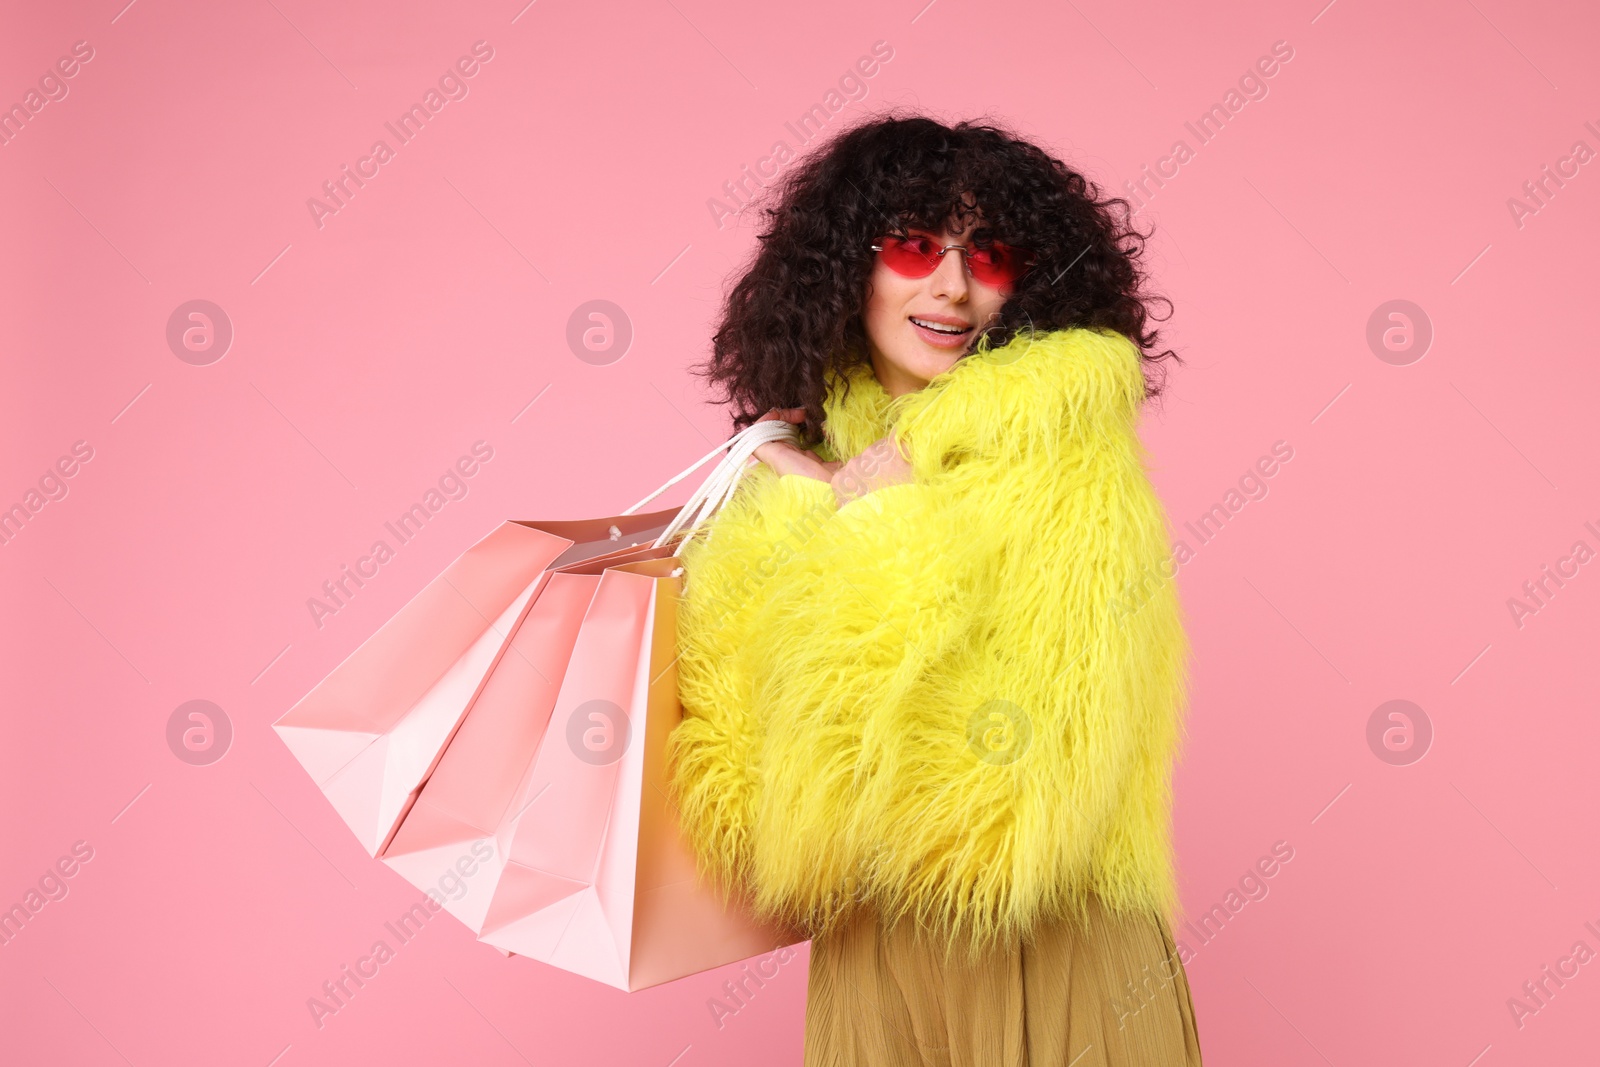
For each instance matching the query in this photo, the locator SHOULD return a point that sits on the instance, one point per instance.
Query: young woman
(932, 660)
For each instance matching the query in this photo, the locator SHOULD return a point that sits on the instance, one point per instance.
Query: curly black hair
(795, 314)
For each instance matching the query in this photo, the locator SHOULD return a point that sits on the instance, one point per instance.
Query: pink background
(431, 312)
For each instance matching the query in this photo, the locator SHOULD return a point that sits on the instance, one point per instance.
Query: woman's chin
(931, 366)
(914, 365)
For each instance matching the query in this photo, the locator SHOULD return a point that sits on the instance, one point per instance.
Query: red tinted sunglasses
(917, 257)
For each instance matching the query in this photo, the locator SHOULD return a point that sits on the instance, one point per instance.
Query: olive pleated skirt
(1110, 992)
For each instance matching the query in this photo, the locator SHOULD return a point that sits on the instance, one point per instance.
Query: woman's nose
(951, 277)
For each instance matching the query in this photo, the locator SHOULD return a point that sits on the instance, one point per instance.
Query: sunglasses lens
(917, 257)
(998, 264)
(910, 257)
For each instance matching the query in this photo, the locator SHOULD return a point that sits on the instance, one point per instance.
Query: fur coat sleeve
(956, 698)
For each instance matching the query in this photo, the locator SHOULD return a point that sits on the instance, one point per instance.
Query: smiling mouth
(941, 327)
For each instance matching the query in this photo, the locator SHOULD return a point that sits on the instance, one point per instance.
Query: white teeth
(938, 327)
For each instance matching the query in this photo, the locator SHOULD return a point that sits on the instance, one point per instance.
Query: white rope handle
(719, 485)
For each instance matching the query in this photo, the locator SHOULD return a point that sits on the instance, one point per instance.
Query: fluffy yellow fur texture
(956, 698)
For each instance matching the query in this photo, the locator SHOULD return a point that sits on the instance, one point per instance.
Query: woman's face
(906, 354)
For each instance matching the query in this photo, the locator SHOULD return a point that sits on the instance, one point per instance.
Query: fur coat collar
(955, 699)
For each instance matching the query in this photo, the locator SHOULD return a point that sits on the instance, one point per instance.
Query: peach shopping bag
(587, 870)
(524, 785)
(370, 732)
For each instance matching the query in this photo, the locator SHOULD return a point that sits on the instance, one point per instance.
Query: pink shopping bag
(371, 732)
(450, 830)
(501, 744)
(562, 814)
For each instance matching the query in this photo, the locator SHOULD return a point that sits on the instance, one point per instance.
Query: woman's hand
(786, 458)
(880, 464)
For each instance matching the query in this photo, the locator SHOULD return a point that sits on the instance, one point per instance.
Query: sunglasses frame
(1025, 257)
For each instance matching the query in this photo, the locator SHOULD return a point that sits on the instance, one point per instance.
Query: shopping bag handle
(719, 485)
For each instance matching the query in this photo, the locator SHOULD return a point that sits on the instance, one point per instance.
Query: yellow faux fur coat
(956, 698)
